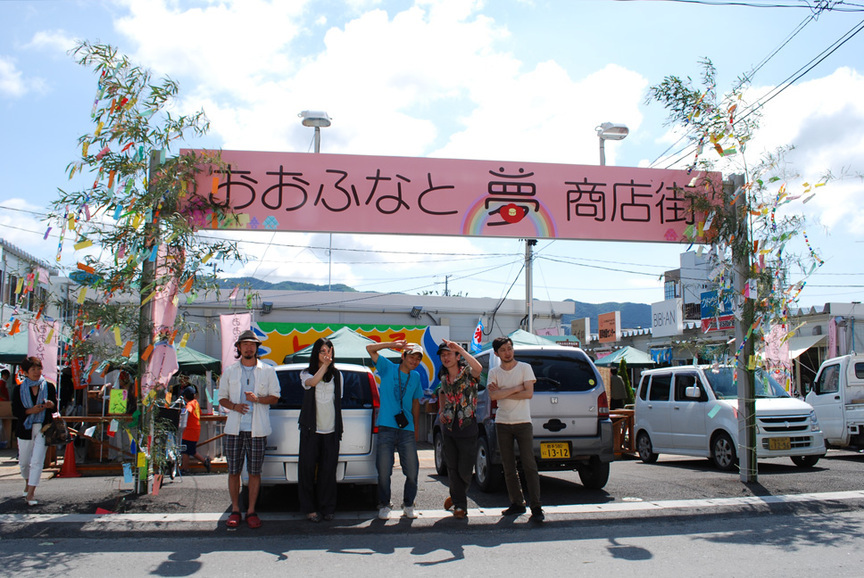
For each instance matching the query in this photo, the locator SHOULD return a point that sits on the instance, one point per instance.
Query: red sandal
(253, 520)
(233, 520)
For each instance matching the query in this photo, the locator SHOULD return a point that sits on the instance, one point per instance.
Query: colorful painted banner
(428, 196)
(283, 339)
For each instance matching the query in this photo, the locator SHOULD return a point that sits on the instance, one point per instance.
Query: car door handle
(836, 397)
(677, 407)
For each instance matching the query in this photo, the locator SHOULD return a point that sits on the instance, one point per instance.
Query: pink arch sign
(428, 196)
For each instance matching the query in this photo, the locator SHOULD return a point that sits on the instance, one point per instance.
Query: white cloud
(57, 41)
(12, 81)
(824, 120)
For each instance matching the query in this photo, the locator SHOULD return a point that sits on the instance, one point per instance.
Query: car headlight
(814, 421)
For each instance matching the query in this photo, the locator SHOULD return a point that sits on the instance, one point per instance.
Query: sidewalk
(9, 464)
(9, 467)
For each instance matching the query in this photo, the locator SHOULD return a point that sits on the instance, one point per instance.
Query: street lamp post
(610, 131)
(317, 119)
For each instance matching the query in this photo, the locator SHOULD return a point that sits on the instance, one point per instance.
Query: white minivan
(693, 411)
(360, 404)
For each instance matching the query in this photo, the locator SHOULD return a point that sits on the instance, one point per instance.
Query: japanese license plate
(554, 450)
(779, 444)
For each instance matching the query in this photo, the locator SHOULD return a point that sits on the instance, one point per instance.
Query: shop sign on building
(581, 330)
(666, 318)
(717, 314)
(609, 327)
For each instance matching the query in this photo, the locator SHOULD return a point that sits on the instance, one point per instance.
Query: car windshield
(356, 392)
(556, 371)
(725, 387)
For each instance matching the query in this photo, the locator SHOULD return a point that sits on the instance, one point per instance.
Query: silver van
(693, 411)
(569, 411)
(360, 404)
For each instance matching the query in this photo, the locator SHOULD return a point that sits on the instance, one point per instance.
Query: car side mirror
(693, 392)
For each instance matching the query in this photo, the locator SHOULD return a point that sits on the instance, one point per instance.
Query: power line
(848, 7)
(789, 81)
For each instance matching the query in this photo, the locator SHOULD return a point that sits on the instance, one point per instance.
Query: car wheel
(595, 475)
(805, 461)
(489, 476)
(438, 445)
(645, 449)
(723, 452)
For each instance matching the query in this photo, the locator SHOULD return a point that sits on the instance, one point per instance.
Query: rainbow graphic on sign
(477, 218)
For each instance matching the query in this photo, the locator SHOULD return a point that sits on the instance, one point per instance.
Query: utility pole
(529, 282)
(746, 393)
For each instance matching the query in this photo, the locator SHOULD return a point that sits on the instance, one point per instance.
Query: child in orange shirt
(192, 431)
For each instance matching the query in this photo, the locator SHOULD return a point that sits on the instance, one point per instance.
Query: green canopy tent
(522, 337)
(13, 348)
(350, 347)
(634, 358)
(190, 361)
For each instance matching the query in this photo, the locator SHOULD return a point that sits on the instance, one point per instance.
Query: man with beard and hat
(246, 391)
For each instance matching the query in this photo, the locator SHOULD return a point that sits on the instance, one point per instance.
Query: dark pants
(459, 455)
(319, 451)
(523, 435)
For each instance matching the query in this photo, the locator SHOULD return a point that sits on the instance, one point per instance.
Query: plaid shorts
(244, 446)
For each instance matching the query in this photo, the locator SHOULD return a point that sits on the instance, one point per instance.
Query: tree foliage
(134, 205)
(751, 223)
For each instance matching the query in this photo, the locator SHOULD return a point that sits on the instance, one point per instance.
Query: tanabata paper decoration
(117, 402)
(127, 473)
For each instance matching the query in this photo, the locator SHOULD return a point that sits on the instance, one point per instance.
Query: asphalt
(97, 505)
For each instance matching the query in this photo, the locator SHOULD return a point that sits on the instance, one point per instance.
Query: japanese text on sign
(365, 194)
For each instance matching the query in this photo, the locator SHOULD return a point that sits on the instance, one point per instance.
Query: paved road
(676, 517)
(631, 486)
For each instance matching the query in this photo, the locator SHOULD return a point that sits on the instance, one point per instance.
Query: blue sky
(503, 80)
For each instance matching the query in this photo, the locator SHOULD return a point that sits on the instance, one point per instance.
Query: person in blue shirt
(400, 394)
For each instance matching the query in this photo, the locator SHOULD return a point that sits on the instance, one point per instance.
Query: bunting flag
(477, 338)
(42, 343)
(232, 326)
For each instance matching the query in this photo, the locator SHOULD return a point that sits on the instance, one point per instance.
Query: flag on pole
(477, 338)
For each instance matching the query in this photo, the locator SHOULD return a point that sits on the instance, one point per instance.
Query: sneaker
(408, 512)
(384, 513)
(537, 514)
(514, 510)
(460, 514)
(448, 503)
(207, 464)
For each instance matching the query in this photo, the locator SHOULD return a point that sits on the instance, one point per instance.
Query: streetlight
(610, 131)
(316, 118)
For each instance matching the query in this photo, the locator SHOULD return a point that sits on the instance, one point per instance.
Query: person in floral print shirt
(457, 402)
